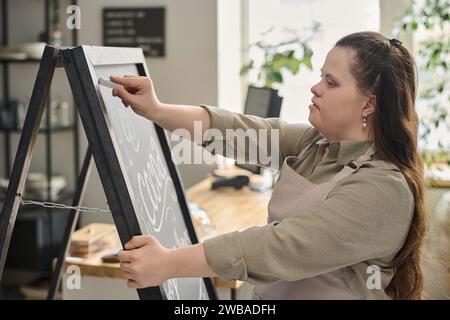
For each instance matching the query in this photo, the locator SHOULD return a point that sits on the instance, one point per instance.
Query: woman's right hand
(139, 93)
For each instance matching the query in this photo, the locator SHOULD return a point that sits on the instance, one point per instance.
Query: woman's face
(337, 108)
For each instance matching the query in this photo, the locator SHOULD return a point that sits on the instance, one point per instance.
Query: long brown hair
(387, 69)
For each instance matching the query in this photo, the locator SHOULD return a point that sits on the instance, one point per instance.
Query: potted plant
(55, 35)
(279, 59)
(433, 63)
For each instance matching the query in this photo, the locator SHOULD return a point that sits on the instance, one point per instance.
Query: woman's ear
(370, 106)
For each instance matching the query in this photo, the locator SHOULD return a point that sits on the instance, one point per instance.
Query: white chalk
(107, 83)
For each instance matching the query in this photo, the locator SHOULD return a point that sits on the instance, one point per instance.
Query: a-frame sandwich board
(107, 146)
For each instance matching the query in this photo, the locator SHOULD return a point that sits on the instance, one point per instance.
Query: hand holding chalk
(107, 83)
(139, 93)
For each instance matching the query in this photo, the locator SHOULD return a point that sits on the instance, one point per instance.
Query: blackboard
(135, 27)
(132, 155)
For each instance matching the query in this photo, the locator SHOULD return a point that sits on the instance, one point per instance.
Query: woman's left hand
(145, 262)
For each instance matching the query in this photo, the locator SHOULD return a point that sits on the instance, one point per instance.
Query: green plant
(285, 56)
(433, 62)
(56, 5)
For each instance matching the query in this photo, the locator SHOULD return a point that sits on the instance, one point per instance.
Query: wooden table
(227, 208)
(436, 182)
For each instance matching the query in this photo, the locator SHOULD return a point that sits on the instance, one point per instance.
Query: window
(427, 80)
(337, 18)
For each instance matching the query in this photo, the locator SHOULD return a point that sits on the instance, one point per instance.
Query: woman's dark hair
(387, 69)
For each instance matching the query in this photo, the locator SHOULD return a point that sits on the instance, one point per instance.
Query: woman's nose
(315, 89)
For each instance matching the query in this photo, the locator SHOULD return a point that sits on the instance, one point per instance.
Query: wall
(229, 54)
(391, 13)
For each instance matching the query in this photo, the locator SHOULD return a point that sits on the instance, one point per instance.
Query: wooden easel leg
(24, 153)
(71, 224)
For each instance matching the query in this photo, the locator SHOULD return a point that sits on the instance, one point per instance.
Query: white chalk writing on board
(148, 180)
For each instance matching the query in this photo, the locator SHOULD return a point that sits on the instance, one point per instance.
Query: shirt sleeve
(366, 216)
(267, 141)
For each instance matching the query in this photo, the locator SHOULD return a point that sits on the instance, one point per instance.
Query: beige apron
(294, 193)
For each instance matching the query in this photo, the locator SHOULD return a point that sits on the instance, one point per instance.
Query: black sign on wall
(135, 27)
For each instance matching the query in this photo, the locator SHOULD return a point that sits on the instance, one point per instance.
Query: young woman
(346, 218)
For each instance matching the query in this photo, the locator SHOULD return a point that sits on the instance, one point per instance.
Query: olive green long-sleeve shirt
(364, 220)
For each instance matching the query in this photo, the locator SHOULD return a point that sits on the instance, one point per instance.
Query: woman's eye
(329, 83)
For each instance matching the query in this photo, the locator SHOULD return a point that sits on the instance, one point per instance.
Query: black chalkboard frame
(78, 62)
(22, 161)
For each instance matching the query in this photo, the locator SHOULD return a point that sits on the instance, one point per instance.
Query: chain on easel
(52, 205)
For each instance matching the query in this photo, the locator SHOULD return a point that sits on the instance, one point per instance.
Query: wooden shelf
(27, 60)
(42, 130)
(433, 183)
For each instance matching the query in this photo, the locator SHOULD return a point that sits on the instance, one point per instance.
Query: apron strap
(354, 165)
(365, 159)
(383, 165)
